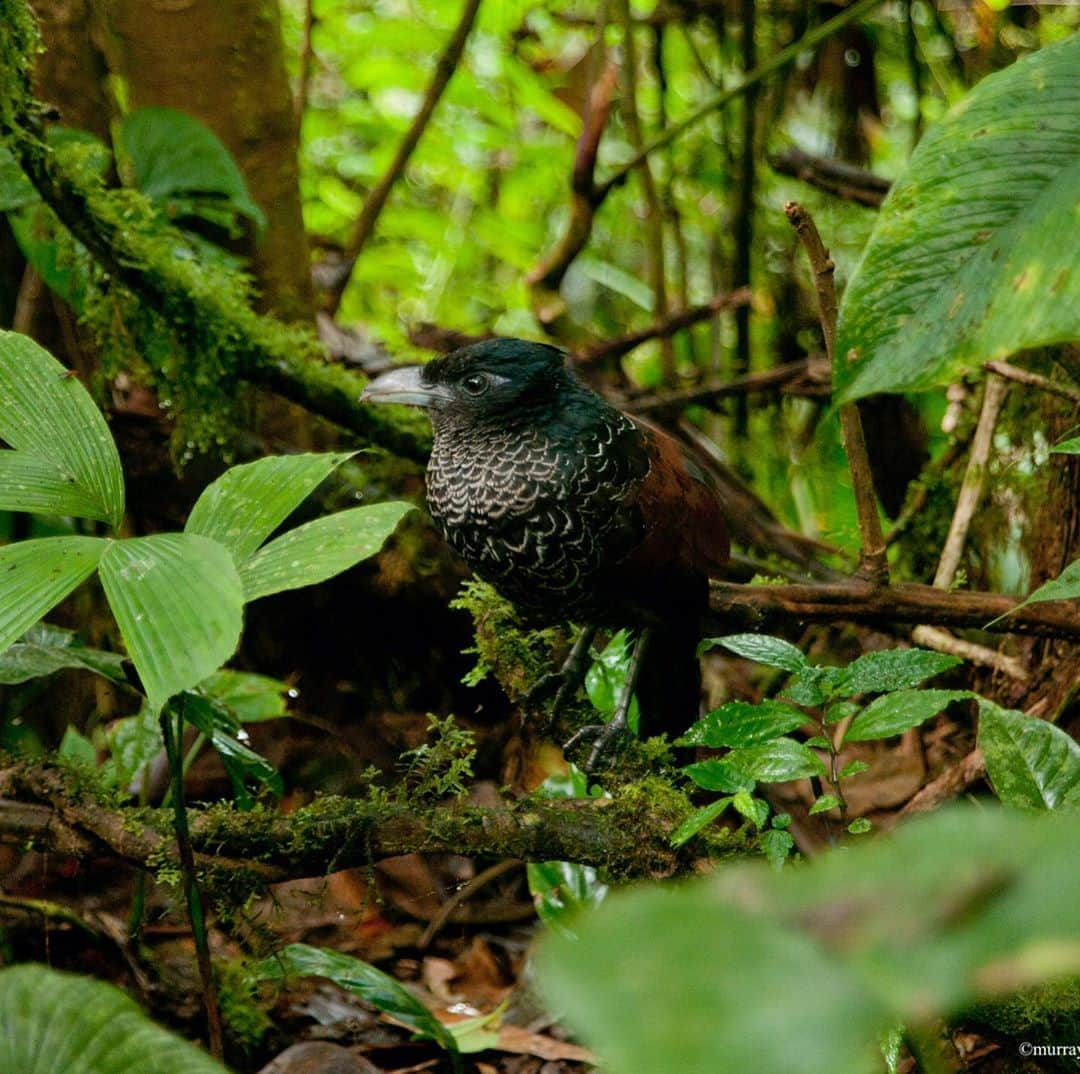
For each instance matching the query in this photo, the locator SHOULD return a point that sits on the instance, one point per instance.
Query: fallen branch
(762, 608)
(836, 177)
(377, 196)
(236, 851)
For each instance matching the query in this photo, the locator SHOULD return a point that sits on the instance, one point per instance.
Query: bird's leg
(617, 725)
(564, 682)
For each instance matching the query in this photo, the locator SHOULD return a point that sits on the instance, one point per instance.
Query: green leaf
(1067, 447)
(36, 575)
(179, 605)
(647, 1007)
(1066, 586)
(824, 803)
(318, 550)
(776, 845)
(776, 761)
(63, 266)
(361, 978)
(812, 685)
(762, 648)
(247, 503)
(86, 1026)
(15, 189)
(182, 165)
(739, 723)
(971, 257)
(892, 714)
(133, 742)
(69, 462)
(44, 649)
(252, 698)
(859, 826)
(841, 710)
(891, 669)
(853, 768)
(754, 809)
(1031, 763)
(606, 678)
(75, 746)
(717, 774)
(699, 819)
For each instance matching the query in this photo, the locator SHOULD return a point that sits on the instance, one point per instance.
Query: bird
(574, 512)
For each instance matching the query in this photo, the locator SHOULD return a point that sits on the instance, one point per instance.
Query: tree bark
(223, 62)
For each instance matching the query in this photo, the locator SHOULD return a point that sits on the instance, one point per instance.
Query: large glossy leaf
(45, 649)
(179, 605)
(62, 1023)
(378, 988)
(177, 159)
(739, 723)
(66, 461)
(961, 905)
(318, 550)
(247, 503)
(890, 669)
(776, 761)
(896, 712)
(975, 254)
(1031, 763)
(764, 648)
(36, 575)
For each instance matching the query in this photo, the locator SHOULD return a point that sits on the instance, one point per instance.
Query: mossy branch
(628, 835)
(201, 304)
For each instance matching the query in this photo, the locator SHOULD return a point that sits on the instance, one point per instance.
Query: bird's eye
(475, 384)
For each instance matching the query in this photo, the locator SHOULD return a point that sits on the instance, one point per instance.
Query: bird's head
(492, 380)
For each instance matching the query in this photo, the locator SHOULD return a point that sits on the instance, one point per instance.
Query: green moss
(515, 655)
(246, 1023)
(442, 767)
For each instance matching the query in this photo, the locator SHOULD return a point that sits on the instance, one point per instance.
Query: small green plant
(442, 767)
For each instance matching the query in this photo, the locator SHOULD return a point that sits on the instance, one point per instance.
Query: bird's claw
(605, 734)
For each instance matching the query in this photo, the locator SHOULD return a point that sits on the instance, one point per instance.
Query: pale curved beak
(404, 386)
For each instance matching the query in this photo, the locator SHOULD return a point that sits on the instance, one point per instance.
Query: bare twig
(766, 380)
(611, 349)
(944, 642)
(465, 892)
(654, 213)
(1035, 380)
(377, 196)
(873, 561)
(833, 176)
(948, 785)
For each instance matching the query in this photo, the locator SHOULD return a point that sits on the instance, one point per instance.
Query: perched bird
(573, 511)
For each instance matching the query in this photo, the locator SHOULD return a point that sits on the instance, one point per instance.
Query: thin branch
(944, 642)
(377, 196)
(761, 608)
(779, 60)
(833, 176)
(464, 893)
(1034, 380)
(766, 380)
(873, 560)
(654, 213)
(611, 349)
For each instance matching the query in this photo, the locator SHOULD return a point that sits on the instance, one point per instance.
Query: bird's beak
(404, 386)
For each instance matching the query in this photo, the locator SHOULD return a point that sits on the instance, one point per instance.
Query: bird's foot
(564, 683)
(604, 733)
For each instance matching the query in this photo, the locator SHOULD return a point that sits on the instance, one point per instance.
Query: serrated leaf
(175, 156)
(891, 669)
(894, 713)
(824, 803)
(717, 774)
(811, 685)
(762, 648)
(86, 1026)
(1031, 763)
(777, 844)
(320, 549)
(69, 462)
(776, 761)
(178, 602)
(753, 809)
(248, 502)
(36, 575)
(972, 255)
(699, 819)
(361, 978)
(740, 723)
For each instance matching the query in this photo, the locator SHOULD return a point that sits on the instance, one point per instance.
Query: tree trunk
(223, 62)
